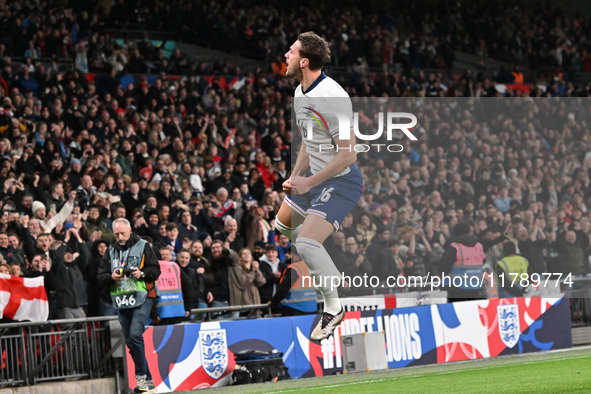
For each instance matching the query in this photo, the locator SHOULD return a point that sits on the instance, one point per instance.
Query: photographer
(130, 268)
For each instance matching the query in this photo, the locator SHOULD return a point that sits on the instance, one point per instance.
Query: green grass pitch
(549, 372)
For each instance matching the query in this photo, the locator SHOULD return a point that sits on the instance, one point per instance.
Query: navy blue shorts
(331, 200)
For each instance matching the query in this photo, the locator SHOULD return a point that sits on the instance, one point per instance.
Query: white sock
(322, 269)
(289, 232)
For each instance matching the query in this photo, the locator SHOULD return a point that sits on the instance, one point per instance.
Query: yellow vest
(513, 266)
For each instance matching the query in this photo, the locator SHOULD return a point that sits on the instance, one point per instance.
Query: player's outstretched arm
(344, 158)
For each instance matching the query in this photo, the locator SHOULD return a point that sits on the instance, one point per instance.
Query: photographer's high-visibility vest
(130, 292)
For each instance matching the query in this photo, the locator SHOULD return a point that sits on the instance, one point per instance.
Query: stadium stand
(140, 129)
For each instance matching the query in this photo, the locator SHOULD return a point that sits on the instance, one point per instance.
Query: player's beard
(296, 74)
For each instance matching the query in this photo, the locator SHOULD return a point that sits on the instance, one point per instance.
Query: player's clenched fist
(287, 186)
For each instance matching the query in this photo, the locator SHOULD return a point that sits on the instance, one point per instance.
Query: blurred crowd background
(190, 158)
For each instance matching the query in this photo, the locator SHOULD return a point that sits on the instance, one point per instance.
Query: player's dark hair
(315, 49)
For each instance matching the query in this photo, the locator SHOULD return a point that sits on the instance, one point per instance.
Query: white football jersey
(315, 111)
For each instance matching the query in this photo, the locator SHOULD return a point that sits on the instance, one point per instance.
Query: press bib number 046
(125, 300)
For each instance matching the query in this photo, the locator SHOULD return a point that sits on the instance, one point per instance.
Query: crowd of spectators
(418, 35)
(197, 168)
(516, 170)
(363, 35)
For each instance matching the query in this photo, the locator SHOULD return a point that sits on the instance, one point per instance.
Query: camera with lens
(125, 271)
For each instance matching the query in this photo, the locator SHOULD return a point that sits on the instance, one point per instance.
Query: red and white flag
(23, 298)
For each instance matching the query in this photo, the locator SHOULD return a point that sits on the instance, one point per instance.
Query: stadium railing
(32, 353)
(55, 350)
(580, 301)
(64, 64)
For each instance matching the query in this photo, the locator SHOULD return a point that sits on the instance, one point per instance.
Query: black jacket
(348, 267)
(8, 254)
(532, 251)
(193, 283)
(289, 276)
(66, 278)
(572, 256)
(95, 291)
(206, 280)
(266, 291)
(191, 233)
(378, 255)
(220, 269)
